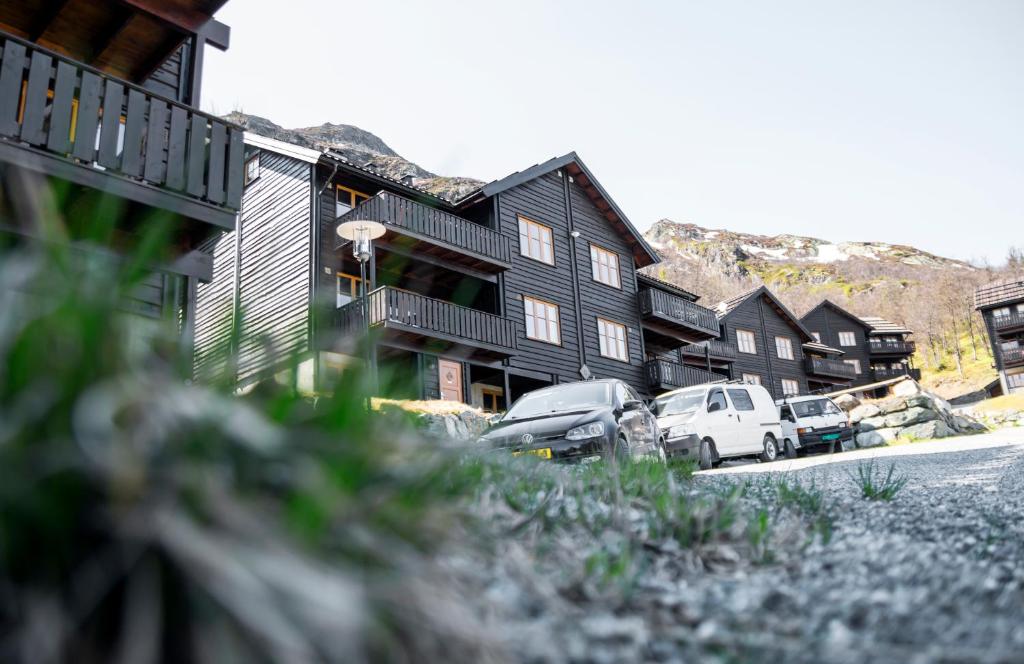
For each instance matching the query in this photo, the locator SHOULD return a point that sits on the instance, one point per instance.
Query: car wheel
(769, 451)
(790, 450)
(704, 456)
(621, 453)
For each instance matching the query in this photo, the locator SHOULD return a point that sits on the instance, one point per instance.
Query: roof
(333, 158)
(883, 326)
(829, 304)
(649, 280)
(726, 308)
(822, 348)
(1004, 291)
(643, 253)
(288, 149)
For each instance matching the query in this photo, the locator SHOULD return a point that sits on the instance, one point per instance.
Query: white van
(719, 420)
(813, 422)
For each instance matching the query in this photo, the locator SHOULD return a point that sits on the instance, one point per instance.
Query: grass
(874, 486)
(1011, 402)
(944, 379)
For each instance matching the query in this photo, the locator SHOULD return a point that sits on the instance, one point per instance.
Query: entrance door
(451, 380)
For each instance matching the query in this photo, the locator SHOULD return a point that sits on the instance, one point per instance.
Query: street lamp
(362, 234)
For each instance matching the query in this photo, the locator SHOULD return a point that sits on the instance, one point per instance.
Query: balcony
(666, 375)
(889, 374)
(1012, 322)
(717, 350)
(1012, 357)
(426, 231)
(891, 347)
(828, 368)
(67, 120)
(671, 321)
(410, 319)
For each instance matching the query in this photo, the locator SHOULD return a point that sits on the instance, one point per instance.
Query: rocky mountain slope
(361, 148)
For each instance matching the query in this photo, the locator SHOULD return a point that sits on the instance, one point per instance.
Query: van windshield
(810, 408)
(560, 399)
(679, 403)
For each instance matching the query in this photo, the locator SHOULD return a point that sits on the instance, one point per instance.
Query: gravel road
(936, 575)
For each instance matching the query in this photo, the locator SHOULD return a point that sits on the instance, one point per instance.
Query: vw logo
(526, 439)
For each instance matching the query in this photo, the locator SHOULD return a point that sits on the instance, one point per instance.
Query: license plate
(830, 436)
(543, 452)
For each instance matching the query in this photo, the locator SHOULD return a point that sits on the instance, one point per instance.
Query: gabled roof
(829, 304)
(654, 282)
(643, 253)
(726, 309)
(882, 326)
(822, 348)
(1004, 291)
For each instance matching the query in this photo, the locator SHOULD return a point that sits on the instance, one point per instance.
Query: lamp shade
(361, 230)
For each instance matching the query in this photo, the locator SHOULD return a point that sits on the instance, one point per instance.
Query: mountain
(362, 148)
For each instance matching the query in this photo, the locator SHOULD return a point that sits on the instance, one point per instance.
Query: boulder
(967, 425)
(927, 431)
(877, 437)
(864, 411)
(923, 400)
(847, 402)
(872, 423)
(891, 405)
(906, 388)
(465, 426)
(905, 418)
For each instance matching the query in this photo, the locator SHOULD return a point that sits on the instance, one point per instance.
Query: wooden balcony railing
(432, 225)
(663, 373)
(672, 308)
(59, 108)
(1012, 357)
(891, 347)
(822, 366)
(714, 348)
(1013, 320)
(887, 374)
(413, 313)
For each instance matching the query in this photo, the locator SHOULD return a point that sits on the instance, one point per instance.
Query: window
(790, 387)
(491, 397)
(612, 337)
(252, 169)
(347, 199)
(847, 339)
(717, 396)
(741, 399)
(817, 336)
(605, 266)
(752, 379)
(348, 289)
(1001, 312)
(541, 320)
(784, 348)
(745, 342)
(535, 241)
(855, 364)
(1014, 381)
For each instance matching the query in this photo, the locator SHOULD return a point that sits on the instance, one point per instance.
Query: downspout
(315, 266)
(574, 269)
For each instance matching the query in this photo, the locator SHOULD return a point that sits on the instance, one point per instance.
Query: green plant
(875, 487)
(809, 501)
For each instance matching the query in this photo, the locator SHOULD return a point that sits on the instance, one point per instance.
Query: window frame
(795, 383)
(606, 323)
(259, 168)
(527, 223)
(788, 344)
(852, 337)
(746, 378)
(817, 336)
(753, 342)
(855, 363)
(355, 198)
(596, 252)
(557, 319)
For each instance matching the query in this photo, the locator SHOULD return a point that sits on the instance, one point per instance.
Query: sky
(897, 121)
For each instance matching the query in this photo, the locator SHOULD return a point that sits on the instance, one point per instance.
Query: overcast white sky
(892, 120)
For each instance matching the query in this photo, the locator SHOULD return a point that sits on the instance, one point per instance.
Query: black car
(579, 421)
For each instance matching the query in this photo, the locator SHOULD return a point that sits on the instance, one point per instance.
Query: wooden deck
(827, 368)
(666, 375)
(673, 321)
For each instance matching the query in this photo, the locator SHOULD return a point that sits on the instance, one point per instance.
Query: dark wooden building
(841, 330)
(1001, 304)
(891, 350)
(99, 100)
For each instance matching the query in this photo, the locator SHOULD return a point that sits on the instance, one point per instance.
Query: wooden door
(451, 380)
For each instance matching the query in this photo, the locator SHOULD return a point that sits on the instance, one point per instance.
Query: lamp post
(362, 234)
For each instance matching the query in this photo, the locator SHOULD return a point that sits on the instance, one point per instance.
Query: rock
(922, 400)
(891, 405)
(967, 425)
(877, 437)
(910, 416)
(465, 426)
(847, 402)
(863, 411)
(906, 388)
(927, 430)
(872, 423)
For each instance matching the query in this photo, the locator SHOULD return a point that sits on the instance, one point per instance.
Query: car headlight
(805, 430)
(592, 430)
(680, 430)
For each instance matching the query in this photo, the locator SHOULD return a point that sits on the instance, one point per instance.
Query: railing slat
(88, 117)
(218, 150)
(12, 73)
(196, 156)
(156, 137)
(59, 139)
(113, 101)
(236, 168)
(131, 154)
(176, 147)
(33, 122)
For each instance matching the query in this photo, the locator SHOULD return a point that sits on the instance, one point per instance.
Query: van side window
(717, 396)
(786, 413)
(741, 399)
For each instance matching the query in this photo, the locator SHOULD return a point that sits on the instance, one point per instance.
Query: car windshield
(679, 403)
(561, 399)
(809, 408)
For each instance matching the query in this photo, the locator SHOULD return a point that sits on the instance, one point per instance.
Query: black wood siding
(215, 303)
(171, 79)
(829, 323)
(765, 363)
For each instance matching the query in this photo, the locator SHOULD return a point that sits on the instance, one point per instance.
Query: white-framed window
(348, 289)
(784, 348)
(604, 266)
(745, 342)
(1015, 381)
(855, 364)
(345, 199)
(541, 320)
(535, 241)
(612, 338)
(752, 379)
(817, 336)
(847, 339)
(1001, 312)
(790, 387)
(252, 169)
